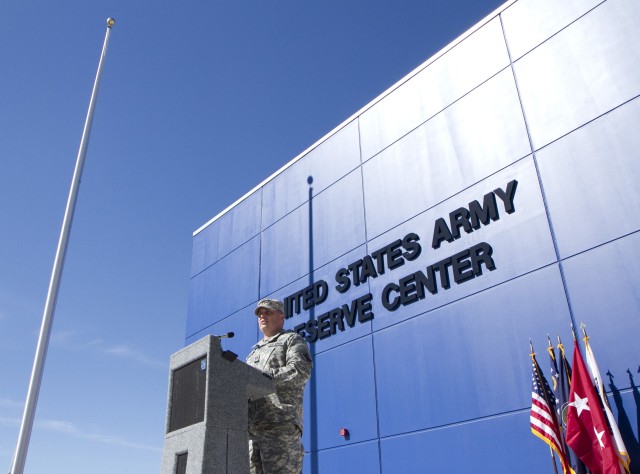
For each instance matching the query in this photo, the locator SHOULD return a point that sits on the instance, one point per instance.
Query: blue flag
(562, 403)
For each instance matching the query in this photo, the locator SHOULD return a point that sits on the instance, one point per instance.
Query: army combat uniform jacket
(285, 358)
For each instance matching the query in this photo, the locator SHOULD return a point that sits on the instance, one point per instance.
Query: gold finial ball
(110, 22)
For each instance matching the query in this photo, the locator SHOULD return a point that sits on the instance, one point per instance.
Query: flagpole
(533, 355)
(560, 346)
(54, 284)
(584, 331)
(553, 357)
(553, 461)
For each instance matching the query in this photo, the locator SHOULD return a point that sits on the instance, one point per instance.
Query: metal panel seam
(542, 191)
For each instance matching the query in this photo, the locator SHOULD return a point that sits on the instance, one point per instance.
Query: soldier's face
(270, 321)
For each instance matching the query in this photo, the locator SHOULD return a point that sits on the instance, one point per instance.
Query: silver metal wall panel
(604, 291)
(338, 227)
(478, 135)
(591, 177)
(325, 164)
(584, 71)
(527, 23)
(342, 376)
(464, 67)
(233, 229)
(361, 457)
(225, 287)
(468, 448)
(521, 242)
(472, 354)
(285, 251)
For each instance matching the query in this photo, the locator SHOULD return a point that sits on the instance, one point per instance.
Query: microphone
(228, 335)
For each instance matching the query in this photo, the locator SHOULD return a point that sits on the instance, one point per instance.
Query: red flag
(587, 430)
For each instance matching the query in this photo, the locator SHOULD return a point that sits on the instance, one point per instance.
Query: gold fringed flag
(623, 455)
(543, 420)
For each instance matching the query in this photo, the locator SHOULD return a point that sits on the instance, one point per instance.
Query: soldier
(275, 421)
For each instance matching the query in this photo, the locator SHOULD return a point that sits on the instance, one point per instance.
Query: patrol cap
(269, 304)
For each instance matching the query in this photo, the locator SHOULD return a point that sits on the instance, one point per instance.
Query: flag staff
(533, 358)
(551, 353)
(584, 332)
(26, 426)
(560, 347)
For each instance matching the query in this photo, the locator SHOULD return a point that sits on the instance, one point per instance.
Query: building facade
(488, 198)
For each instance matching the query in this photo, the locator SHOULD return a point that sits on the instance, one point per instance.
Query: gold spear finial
(584, 331)
(531, 346)
(560, 346)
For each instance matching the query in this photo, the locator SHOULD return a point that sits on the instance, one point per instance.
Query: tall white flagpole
(54, 284)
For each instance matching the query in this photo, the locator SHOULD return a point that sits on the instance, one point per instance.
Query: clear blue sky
(200, 101)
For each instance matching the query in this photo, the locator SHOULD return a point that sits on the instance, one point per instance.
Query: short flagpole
(553, 456)
(54, 284)
(553, 461)
(533, 355)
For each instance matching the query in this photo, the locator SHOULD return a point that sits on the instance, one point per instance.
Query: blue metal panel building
(530, 117)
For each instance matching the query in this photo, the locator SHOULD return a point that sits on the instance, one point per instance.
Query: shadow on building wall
(624, 422)
(313, 394)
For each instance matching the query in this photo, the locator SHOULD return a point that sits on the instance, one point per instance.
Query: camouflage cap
(269, 304)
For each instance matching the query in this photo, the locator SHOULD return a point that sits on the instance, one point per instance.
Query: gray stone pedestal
(206, 428)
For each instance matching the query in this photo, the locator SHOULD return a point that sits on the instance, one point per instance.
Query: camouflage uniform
(275, 421)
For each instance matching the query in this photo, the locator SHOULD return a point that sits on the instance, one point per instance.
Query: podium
(206, 426)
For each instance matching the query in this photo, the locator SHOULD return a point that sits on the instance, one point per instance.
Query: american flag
(544, 423)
